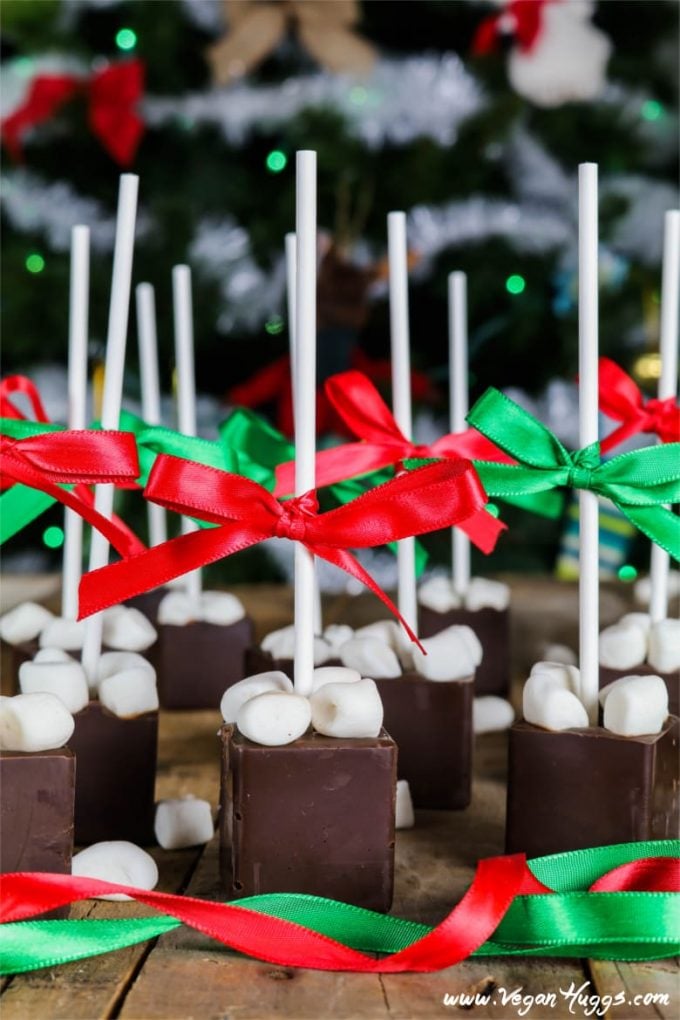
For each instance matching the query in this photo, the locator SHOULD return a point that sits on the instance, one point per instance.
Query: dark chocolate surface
(492, 627)
(589, 787)
(671, 680)
(431, 722)
(197, 662)
(148, 602)
(315, 816)
(115, 775)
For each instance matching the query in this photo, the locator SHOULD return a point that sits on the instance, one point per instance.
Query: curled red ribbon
(436, 496)
(622, 400)
(12, 384)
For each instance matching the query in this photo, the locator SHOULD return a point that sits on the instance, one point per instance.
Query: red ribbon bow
(524, 18)
(20, 384)
(112, 95)
(433, 497)
(622, 400)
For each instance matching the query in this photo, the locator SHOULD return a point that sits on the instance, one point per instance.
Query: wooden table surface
(185, 976)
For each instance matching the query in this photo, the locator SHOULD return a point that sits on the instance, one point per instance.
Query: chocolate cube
(115, 775)
(431, 722)
(196, 663)
(315, 816)
(589, 787)
(671, 680)
(492, 627)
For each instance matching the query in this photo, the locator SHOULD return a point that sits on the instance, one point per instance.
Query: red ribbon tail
(483, 530)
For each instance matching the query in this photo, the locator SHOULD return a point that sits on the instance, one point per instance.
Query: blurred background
(470, 116)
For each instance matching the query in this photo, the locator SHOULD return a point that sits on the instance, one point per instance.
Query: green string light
(515, 284)
(276, 161)
(274, 325)
(35, 263)
(652, 110)
(627, 572)
(126, 39)
(53, 537)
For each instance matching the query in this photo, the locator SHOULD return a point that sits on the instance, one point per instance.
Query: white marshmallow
(371, 657)
(453, 654)
(184, 822)
(60, 633)
(483, 593)
(386, 630)
(491, 714)
(116, 861)
(643, 588)
(636, 705)
(569, 676)
(237, 695)
(347, 709)
(336, 634)
(221, 608)
(34, 722)
(556, 709)
(275, 718)
(52, 655)
(664, 646)
(66, 680)
(622, 646)
(176, 609)
(437, 594)
(561, 654)
(129, 693)
(540, 687)
(641, 620)
(127, 629)
(334, 675)
(24, 622)
(404, 817)
(281, 645)
(115, 662)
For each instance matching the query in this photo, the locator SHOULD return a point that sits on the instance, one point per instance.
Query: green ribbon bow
(639, 483)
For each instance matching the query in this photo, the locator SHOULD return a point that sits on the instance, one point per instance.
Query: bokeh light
(53, 537)
(515, 284)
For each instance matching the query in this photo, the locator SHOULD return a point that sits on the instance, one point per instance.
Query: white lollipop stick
(116, 337)
(668, 385)
(77, 407)
(151, 394)
(186, 387)
(305, 406)
(588, 433)
(401, 394)
(458, 409)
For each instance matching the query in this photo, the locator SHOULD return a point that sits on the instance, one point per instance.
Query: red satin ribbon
(622, 400)
(523, 18)
(53, 459)
(437, 496)
(112, 95)
(20, 384)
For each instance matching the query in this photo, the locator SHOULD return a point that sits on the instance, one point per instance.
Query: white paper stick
(458, 409)
(186, 387)
(588, 433)
(401, 393)
(151, 394)
(116, 338)
(305, 411)
(77, 406)
(668, 385)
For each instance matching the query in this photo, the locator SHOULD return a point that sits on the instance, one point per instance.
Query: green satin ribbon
(639, 483)
(567, 923)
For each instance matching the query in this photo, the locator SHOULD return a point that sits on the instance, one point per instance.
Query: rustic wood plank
(651, 989)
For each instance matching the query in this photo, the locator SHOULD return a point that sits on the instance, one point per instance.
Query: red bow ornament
(622, 400)
(523, 19)
(112, 95)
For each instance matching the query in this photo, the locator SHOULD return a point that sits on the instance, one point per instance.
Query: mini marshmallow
(371, 657)
(556, 710)
(221, 608)
(237, 695)
(636, 705)
(115, 662)
(643, 588)
(404, 818)
(127, 629)
(281, 645)
(184, 822)
(52, 655)
(275, 718)
(386, 630)
(66, 680)
(569, 676)
(61, 633)
(541, 684)
(336, 634)
(622, 646)
(347, 709)
(491, 714)
(641, 620)
(129, 693)
(176, 609)
(437, 594)
(24, 622)
(34, 722)
(664, 646)
(116, 861)
(561, 654)
(453, 654)
(334, 675)
(483, 593)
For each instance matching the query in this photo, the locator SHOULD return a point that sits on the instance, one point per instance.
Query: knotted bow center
(662, 416)
(579, 477)
(295, 515)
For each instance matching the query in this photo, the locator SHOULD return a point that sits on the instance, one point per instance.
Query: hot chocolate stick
(588, 434)
(113, 385)
(305, 406)
(668, 385)
(186, 386)
(401, 392)
(151, 396)
(77, 409)
(458, 409)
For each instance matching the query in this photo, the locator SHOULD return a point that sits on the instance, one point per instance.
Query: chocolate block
(315, 816)
(259, 661)
(197, 662)
(492, 627)
(671, 680)
(26, 651)
(431, 722)
(148, 602)
(115, 776)
(589, 787)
